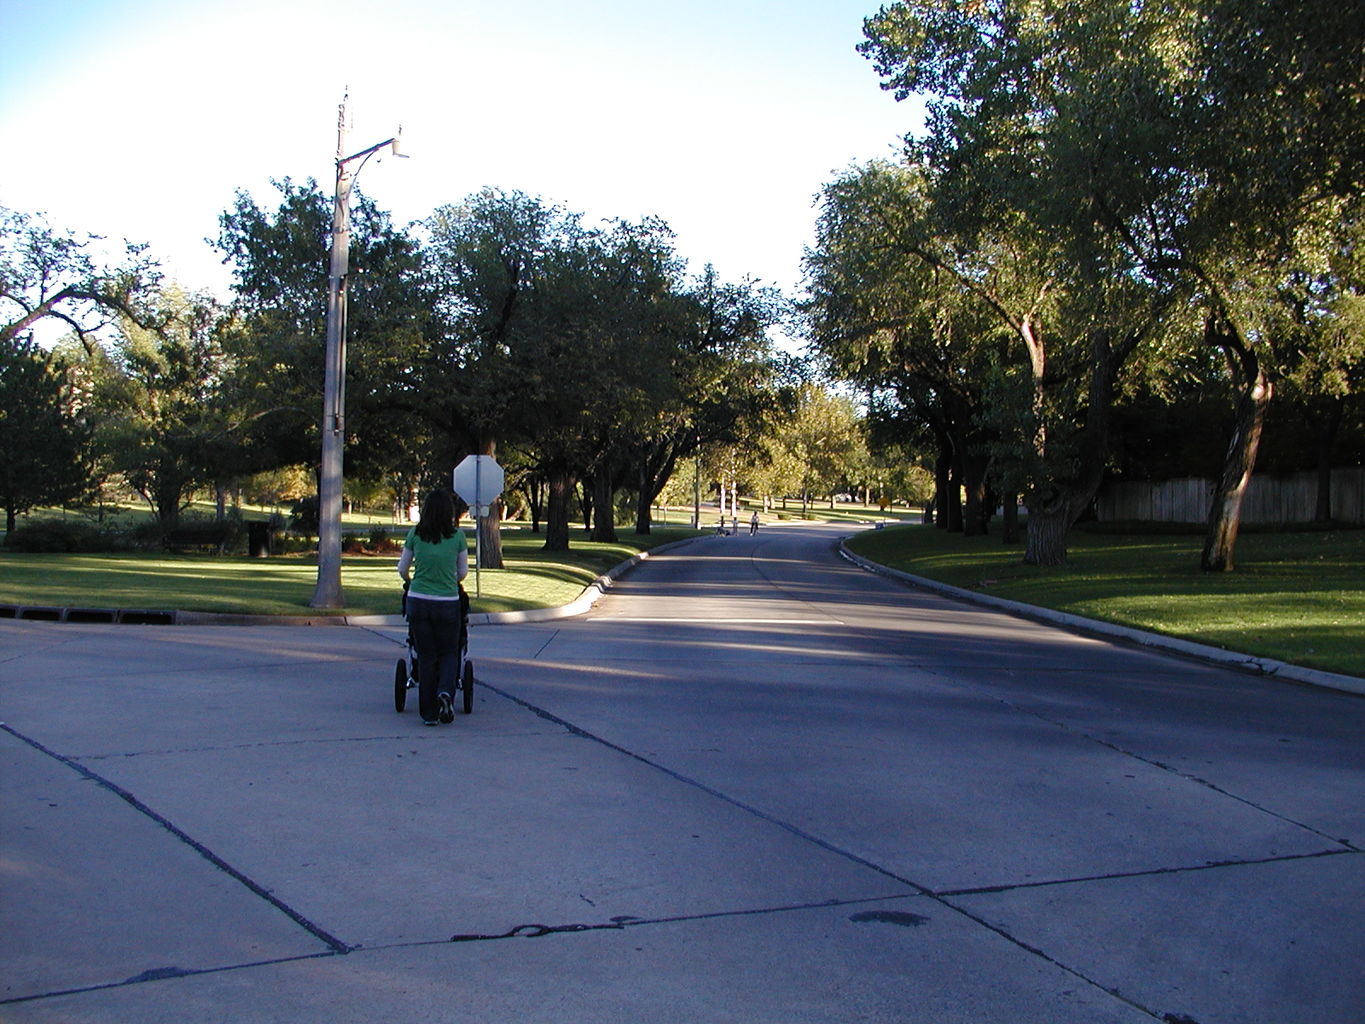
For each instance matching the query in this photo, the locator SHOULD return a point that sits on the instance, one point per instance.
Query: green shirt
(435, 567)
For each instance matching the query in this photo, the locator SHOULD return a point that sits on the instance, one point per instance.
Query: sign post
(478, 481)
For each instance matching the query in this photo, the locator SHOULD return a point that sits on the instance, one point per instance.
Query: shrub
(147, 535)
(379, 542)
(305, 517)
(59, 535)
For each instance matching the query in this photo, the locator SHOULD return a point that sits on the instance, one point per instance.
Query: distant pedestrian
(753, 524)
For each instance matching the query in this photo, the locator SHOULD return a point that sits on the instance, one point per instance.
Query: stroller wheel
(400, 685)
(468, 687)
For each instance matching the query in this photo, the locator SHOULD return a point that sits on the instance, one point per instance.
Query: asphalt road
(755, 784)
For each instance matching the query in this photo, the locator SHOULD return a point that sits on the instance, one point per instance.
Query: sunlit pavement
(754, 784)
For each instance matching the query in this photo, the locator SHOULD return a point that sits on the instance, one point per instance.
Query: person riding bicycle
(435, 559)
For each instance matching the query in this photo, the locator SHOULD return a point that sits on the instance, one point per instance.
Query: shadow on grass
(1295, 597)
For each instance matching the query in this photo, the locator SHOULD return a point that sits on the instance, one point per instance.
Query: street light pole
(328, 593)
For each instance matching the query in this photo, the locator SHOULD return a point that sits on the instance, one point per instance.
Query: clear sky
(140, 119)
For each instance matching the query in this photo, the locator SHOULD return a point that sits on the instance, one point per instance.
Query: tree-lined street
(754, 784)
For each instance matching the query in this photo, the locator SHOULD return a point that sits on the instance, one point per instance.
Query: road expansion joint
(1118, 876)
(916, 890)
(1343, 845)
(1039, 953)
(333, 944)
(708, 790)
(222, 747)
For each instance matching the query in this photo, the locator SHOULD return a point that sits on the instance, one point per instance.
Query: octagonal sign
(478, 480)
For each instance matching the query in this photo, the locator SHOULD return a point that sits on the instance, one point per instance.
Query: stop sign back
(478, 480)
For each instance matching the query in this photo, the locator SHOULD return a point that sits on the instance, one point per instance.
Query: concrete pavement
(753, 784)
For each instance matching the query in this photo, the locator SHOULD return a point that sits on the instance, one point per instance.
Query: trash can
(258, 539)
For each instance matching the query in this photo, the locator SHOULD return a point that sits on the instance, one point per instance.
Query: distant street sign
(478, 480)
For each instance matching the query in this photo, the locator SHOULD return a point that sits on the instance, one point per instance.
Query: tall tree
(44, 437)
(487, 256)
(276, 339)
(922, 344)
(582, 345)
(630, 328)
(164, 426)
(726, 383)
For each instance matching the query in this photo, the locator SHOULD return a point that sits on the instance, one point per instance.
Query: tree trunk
(560, 485)
(1225, 515)
(167, 502)
(941, 485)
(604, 506)
(1049, 521)
(535, 500)
(976, 514)
(1054, 509)
(1325, 430)
(953, 500)
(644, 514)
(490, 537)
(1009, 532)
(490, 526)
(649, 490)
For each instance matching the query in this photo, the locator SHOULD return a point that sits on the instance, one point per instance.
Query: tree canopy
(1137, 177)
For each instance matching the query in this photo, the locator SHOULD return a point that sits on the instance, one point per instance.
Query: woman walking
(435, 559)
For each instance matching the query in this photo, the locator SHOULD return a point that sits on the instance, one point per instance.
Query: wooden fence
(1269, 499)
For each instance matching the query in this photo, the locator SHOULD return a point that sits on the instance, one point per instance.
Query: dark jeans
(435, 630)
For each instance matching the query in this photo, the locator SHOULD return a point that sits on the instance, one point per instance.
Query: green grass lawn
(1296, 597)
(532, 578)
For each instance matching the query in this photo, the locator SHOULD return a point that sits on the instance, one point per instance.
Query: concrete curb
(1217, 655)
(584, 602)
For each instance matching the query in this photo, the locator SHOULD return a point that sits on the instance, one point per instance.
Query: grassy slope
(1296, 597)
(283, 586)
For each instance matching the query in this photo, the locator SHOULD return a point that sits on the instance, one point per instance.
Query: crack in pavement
(170, 974)
(621, 922)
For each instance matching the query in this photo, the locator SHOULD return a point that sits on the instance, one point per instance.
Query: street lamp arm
(395, 142)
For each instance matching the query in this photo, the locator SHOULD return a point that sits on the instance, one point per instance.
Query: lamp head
(396, 145)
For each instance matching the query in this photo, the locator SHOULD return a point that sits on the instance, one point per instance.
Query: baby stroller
(406, 672)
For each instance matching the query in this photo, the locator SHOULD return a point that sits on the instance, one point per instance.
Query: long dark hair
(438, 517)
